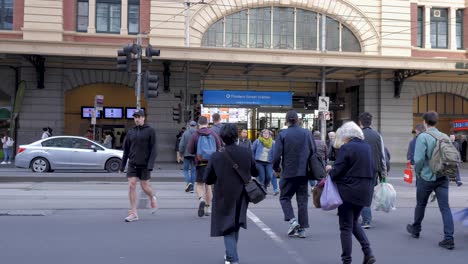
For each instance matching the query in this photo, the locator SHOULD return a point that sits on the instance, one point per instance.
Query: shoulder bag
(252, 187)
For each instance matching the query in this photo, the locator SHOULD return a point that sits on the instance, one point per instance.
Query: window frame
(109, 3)
(459, 13)
(262, 25)
(133, 3)
(78, 15)
(420, 29)
(3, 15)
(435, 25)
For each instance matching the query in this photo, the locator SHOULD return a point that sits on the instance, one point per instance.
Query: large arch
(74, 78)
(341, 10)
(420, 88)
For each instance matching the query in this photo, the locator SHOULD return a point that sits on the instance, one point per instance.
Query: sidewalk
(163, 172)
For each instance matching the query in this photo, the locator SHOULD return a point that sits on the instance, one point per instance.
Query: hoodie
(139, 148)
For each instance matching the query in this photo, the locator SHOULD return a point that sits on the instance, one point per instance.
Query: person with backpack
(203, 143)
(432, 165)
(189, 163)
(45, 133)
(8, 143)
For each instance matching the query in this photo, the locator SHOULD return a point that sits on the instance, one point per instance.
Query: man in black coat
(374, 139)
(230, 200)
(292, 149)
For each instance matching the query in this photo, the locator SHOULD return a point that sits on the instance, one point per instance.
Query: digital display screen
(130, 111)
(113, 112)
(87, 112)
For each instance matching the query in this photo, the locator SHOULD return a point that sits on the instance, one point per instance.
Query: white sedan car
(67, 152)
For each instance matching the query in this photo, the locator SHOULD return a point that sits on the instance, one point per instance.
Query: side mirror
(94, 148)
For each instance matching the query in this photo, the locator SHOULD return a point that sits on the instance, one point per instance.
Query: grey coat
(229, 206)
(374, 139)
(184, 142)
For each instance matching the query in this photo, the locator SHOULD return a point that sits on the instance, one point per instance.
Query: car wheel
(40, 165)
(113, 165)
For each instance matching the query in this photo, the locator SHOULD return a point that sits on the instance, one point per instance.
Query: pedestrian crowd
(218, 166)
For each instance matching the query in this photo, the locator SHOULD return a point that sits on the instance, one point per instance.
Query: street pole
(187, 25)
(323, 128)
(138, 82)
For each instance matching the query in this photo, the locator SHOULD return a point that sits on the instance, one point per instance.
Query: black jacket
(292, 149)
(375, 141)
(139, 148)
(353, 173)
(229, 197)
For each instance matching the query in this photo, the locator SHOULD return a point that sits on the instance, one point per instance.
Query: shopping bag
(408, 174)
(317, 193)
(461, 216)
(330, 198)
(384, 197)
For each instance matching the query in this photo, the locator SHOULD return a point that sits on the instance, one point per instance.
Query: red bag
(408, 174)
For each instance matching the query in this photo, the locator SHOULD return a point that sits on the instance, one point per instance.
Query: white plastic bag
(384, 197)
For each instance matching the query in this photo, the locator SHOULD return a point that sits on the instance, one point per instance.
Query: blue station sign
(247, 98)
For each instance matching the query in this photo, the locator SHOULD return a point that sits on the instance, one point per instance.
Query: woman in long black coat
(353, 174)
(230, 201)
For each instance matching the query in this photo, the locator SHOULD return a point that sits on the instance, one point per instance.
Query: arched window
(279, 28)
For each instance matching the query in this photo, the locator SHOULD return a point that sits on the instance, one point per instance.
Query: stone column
(92, 16)
(427, 27)
(124, 20)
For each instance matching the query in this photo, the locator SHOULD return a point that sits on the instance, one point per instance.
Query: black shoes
(448, 244)
(410, 230)
(369, 260)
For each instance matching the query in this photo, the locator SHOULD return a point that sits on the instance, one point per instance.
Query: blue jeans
(265, 175)
(423, 191)
(348, 217)
(7, 154)
(230, 242)
(189, 164)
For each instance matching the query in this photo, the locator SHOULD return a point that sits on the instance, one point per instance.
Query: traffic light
(176, 111)
(150, 52)
(124, 57)
(150, 85)
(196, 113)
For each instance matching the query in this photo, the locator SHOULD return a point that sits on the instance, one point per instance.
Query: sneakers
(446, 243)
(3, 162)
(188, 187)
(294, 227)
(369, 260)
(365, 225)
(201, 208)
(413, 233)
(154, 203)
(459, 183)
(10, 163)
(300, 232)
(275, 193)
(131, 217)
(207, 210)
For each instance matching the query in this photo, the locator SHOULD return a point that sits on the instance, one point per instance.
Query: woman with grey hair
(353, 175)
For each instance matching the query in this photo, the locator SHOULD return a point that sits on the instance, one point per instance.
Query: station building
(395, 59)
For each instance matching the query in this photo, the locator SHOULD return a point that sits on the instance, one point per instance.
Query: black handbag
(253, 188)
(315, 167)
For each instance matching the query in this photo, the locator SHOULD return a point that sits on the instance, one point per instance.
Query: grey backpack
(445, 157)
